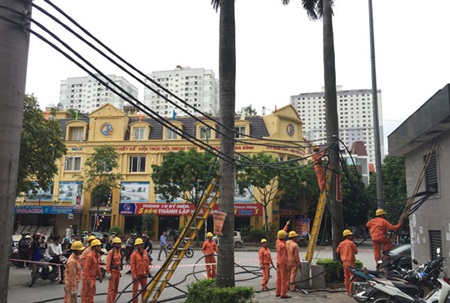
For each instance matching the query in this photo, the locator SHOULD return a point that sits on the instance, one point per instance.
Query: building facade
(86, 94)
(413, 140)
(196, 86)
(355, 112)
(141, 142)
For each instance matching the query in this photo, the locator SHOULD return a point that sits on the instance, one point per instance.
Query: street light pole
(376, 121)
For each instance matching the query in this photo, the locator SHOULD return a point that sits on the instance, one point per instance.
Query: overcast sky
(279, 50)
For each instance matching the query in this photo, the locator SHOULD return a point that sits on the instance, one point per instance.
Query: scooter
(46, 272)
(189, 253)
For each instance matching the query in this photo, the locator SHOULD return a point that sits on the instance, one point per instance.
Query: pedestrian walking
(265, 261)
(347, 251)
(162, 245)
(209, 247)
(113, 270)
(293, 259)
(140, 268)
(91, 270)
(73, 273)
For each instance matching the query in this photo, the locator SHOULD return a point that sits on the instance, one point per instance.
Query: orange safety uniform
(265, 260)
(282, 283)
(85, 252)
(379, 227)
(73, 276)
(347, 250)
(113, 267)
(209, 247)
(140, 269)
(91, 269)
(318, 168)
(293, 262)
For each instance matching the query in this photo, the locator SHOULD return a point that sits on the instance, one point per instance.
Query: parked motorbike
(15, 255)
(421, 285)
(189, 253)
(46, 272)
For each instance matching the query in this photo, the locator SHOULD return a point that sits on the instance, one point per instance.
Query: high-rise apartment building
(196, 86)
(355, 112)
(86, 94)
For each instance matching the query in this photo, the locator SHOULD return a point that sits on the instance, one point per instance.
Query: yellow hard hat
(380, 212)
(95, 242)
(314, 147)
(293, 234)
(347, 232)
(263, 241)
(90, 238)
(138, 241)
(209, 235)
(117, 240)
(281, 234)
(77, 245)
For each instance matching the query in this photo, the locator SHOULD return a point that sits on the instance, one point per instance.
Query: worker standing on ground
(209, 247)
(318, 166)
(347, 250)
(91, 270)
(113, 269)
(379, 227)
(87, 250)
(293, 258)
(73, 273)
(265, 261)
(282, 283)
(140, 268)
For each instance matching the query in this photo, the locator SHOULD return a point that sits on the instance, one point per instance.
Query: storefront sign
(44, 210)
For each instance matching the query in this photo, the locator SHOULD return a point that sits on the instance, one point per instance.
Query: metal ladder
(190, 231)
(318, 218)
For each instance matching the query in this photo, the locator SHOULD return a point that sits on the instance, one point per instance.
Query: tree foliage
(183, 175)
(248, 110)
(40, 147)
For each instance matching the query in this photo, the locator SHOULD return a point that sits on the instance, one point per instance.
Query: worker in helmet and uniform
(87, 250)
(265, 260)
(209, 247)
(73, 272)
(282, 283)
(140, 268)
(293, 258)
(113, 269)
(91, 270)
(318, 166)
(347, 251)
(379, 227)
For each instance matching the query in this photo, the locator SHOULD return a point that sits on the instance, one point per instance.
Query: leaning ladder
(190, 231)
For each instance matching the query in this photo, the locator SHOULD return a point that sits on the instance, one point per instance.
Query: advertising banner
(68, 191)
(219, 218)
(134, 192)
(44, 210)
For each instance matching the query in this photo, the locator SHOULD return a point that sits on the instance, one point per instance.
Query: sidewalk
(332, 296)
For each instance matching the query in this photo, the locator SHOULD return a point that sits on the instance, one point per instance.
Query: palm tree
(227, 93)
(322, 9)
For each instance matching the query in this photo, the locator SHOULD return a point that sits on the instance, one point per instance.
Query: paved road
(247, 274)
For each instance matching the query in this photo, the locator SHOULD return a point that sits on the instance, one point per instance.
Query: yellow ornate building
(141, 141)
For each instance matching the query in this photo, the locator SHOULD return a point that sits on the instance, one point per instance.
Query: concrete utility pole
(376, 119)
(14, 44)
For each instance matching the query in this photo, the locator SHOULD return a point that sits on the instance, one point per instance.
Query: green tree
(355, 199)
(41, 145)
(183, 175)
(248, 110)
(98, 174)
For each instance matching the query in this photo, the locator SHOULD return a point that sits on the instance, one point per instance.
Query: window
(239, 132)
(205, 132)
(431, 184)
(72, 164)
(139, 133)
(171, 135)
(137, 164)
(77, 134)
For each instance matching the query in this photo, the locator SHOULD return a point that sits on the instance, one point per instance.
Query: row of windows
(137, 164)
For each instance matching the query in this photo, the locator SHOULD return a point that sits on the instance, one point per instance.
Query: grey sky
(279, 50)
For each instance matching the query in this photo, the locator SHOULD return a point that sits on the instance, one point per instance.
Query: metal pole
(376, 121)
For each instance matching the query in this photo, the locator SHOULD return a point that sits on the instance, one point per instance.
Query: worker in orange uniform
(265, 260)
(87, 250)
(209, 247)
(282, 283)
(113, 269)
(73, 273)
(347, 250)
(140, 268)
(293, 258)
(318, 166)
(91, 270)
(379, 227)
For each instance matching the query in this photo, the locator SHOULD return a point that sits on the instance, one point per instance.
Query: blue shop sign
(44, 210)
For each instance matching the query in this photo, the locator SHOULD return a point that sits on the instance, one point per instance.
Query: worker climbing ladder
(181, 245)
(318, 218)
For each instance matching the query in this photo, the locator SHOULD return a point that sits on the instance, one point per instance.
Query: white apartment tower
(86, 94)
(196, 86)
(355, 113)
